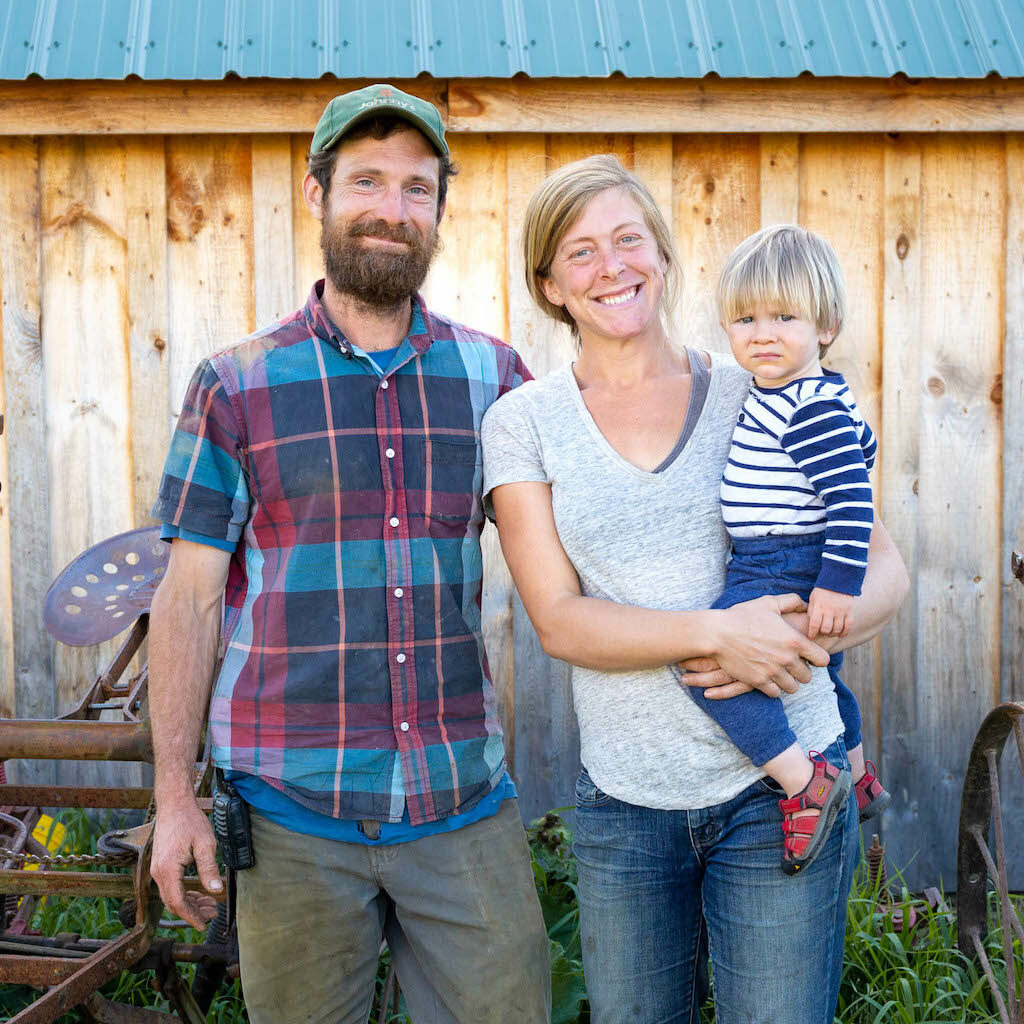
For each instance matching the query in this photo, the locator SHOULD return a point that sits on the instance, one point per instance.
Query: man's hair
(558, 203)
(788, 267)
(321, 165)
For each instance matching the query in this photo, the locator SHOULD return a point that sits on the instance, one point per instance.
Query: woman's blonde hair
(788, 266)
(560, 200)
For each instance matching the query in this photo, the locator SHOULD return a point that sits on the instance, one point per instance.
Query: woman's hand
(755, 648)
(885, 586)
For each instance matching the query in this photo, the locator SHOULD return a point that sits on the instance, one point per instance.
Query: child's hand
(829, 613)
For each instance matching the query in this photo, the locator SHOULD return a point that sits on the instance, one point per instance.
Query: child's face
(775, 345)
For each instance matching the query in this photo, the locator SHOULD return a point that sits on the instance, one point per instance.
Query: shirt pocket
(453, 468)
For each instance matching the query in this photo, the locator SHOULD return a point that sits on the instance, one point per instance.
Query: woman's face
(607, 270)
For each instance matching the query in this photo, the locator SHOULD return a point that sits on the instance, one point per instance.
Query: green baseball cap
(344, 112)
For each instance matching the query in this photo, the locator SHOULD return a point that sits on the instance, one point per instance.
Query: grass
(890, 976)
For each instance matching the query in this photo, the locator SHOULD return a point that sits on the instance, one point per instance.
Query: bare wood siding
(138, 255)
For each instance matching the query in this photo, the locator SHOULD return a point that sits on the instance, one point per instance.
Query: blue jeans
(656, 888)
(757, 724)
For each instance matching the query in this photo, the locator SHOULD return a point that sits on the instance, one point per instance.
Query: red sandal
(872, 796)
(827, 792)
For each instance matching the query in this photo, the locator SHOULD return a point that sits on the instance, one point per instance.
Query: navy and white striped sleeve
(823, 439)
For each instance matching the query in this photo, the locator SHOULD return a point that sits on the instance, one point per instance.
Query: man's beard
(379, 277)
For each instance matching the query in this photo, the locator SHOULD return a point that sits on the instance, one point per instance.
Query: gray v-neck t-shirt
(655, 540)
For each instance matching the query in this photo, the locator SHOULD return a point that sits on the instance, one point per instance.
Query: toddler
(796, 501)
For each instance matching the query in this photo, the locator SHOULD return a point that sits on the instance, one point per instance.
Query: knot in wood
(936, 386)
(902, 247)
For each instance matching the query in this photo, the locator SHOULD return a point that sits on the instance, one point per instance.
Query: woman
(604, 479)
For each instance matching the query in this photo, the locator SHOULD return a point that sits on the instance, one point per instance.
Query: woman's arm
(751, 640)
(885, 586)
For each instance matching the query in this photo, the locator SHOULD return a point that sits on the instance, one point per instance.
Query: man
(324, 481)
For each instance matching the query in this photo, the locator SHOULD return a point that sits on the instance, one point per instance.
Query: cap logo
(386, 93)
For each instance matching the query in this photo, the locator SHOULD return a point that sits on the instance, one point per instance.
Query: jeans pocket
(587, 794)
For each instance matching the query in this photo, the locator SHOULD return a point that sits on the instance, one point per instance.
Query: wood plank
(542, 693)
(841, 197)
(27, 481)
(727, 106)
(7, 676)
(273, 260)
(736, 105)
(1012, 654)
(897, 484)
(467, 282)
(38, 107)
(717, 205)
(308, 261)
(963, 224)
(1010, 393)
(652, 161)
(780, 179)
(87, 380)
(566, 147)
(210, 251)
(146, 242)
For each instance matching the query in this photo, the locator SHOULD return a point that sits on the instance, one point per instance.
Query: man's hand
(183, 835)
(829, 613)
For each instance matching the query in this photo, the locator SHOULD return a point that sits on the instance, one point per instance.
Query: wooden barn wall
(124, 259)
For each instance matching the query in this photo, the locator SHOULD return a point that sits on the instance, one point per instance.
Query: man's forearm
(183, 638)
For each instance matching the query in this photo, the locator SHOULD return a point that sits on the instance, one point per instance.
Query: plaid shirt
(354, 677)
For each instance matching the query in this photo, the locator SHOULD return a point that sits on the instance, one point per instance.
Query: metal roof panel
(382, 39)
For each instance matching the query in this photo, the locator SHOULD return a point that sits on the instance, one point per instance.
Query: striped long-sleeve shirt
(799, 464)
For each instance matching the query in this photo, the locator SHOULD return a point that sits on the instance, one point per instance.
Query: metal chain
(69, 859)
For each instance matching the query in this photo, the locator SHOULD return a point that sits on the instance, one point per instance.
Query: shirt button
(390, 453)
(400, 658)
(384, 384)
(399, 591)
(404, 727)
(393, 521)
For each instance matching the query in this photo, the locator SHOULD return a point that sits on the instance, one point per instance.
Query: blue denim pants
(657, 889)
(757, 724)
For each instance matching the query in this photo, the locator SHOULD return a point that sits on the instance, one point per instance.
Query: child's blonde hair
(788, 266)
(559, 201)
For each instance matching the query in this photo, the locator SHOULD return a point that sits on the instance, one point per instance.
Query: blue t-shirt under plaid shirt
(353, 647)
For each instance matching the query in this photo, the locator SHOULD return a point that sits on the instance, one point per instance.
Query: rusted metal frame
(106, 963)
(105, 684)
(172, 987)
(103, 1011)
(79, 883)
(975, 818)
(76, 740)
(978, 948)
(124, 656)
(90, 974)
(137, 693)
(19, 840)
(1007, 914)
(121, 797)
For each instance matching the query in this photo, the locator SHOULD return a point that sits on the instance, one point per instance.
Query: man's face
(379, 219)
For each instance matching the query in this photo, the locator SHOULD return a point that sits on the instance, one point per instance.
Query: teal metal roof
(209, 39)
